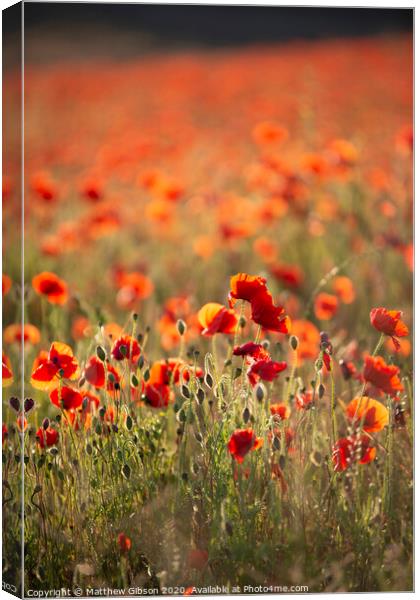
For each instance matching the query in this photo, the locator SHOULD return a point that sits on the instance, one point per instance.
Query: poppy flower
(126, 347)
(245, 287)
(349, 370)
(268, 132)
(254, 351)
(389, 322)
(308, 336)
(241, 442)
(404, 348)
(371, 414)
(6, 284)
(22, 423)
(29, 334)
(280, 410)
(198, 559)
(7, 373)
(269, 316)
(290, 275)
(382, 376)
(46, 437)
(304, 400)
(92, 400)
(94, 372)
(132, 287)
(267, 370)
(66, 397)
(343, 288)
(347, 451)
(59, 364)
(50, 285)
(80, 328)
(216, 318)
(325, 306)
(43, 185)
(124, 542)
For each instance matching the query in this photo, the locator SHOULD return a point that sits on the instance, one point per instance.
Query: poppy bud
(260, 392)
(276, 443)
(85, 403)
(102, 412)
(265, 344)
(208, 379)
(238, 373)
(114, 428)
(126, 471)
(129, 423)
(45, 424)
(198, 437)
(81, 382)
(123, 349)
(140, 362)
(246, 415)
(134, 381)
(181, 327)
(184, 477)
(111, 377)
(146, 375)
(200, 395)
(294, 342)
(181, 416)
(242, 322)
(282, 462)
(135, 317)
(229, 528)
(321, 390)
(100, 353)
(14, 403)
(185, 391)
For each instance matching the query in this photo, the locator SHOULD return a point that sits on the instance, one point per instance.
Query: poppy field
(217, 356)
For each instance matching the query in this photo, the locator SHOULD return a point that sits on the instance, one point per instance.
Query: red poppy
(267, 370)
(124, 542)
(343, 287)
(269, 316)
(47, 437)
(289, 275)
(304, 400)
(268, 132)
(4, 433)
(216, 318)
(133, 287)
(245, 287)
(59, 364)
(6, 284)
(349, 450)
(22, 423)
(66, 397)
(325, 306)
(254, 351)
(126, 347)
(280, 410)
(50, 285)
(389, 322)
(7, 373)
(241, 442)
(382, 376)
(369, 413)
(94, 372)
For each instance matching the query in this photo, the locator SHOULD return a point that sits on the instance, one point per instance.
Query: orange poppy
(80, 328)
(6, 284)
(243, 441)
(347, 451)
(133, 287)
(245, 287)
(382, 376)
(389, 322)
(7, 373)
(216, 318)
(280, 410)
(14, 333)
(50, 285)
(304, 400)
(124, 543)
(343, 288)
(369, 412)
(325, 306)
(59, 364)
(268, 132)
(308, 336)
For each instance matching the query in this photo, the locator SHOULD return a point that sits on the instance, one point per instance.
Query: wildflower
(308, 335)
(347, 451)
(126, 347)
(255, 351)
(15, 333)
(216, 318)
(369, 413)
(280, 410)
(59, 364)
(325, 306)
(50, 285)
(6, 284)
(66, 397)
(22, 422)
(80, 328)
(382, 376)
(4, 433)
(124, 543)
(132, 287)
(343, 288)
(290, 275)
(241, 442)
(47, 437)
(268, 132)
(7, 373)
(349, 370)
(304, 400)
(267, 370)
(245, 287)
(389, 322)
(94, 372)
(269, 316)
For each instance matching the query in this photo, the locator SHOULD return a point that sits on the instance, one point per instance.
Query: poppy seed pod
(100, 353)
(45, 423)
(294, 342)
(246, 415)
(260, 392)
(321, 390)
(181, 327)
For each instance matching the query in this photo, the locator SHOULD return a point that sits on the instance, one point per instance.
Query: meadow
(218, 314)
